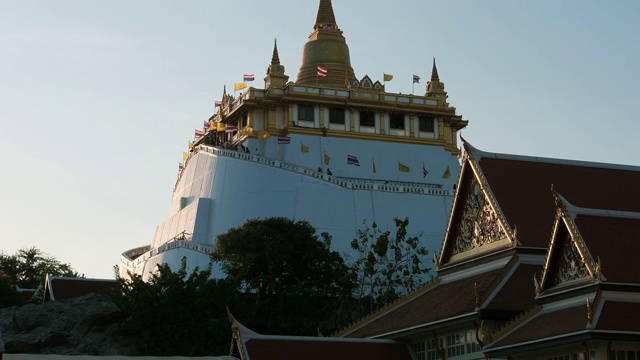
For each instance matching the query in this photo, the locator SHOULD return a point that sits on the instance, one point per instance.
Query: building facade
(330, 148)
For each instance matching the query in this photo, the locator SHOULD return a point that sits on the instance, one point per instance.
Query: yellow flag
(387, 77)
(185, 156)
(460, 155)
(190, 145)
(263, 134)
(240, 86)
(374, 167)
(304, 148)
(447, 173)
(403, 168)
(220, 126)
(327, 159)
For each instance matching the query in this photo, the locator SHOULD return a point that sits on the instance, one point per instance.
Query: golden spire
(435, 88)
(275, 59)
(434, 71)
(325, 15)
(275, 72)
(328, 49)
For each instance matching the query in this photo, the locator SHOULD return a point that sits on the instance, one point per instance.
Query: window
(426, 124)
(472, 343)
(455, 345)
(305, 112)
(336, 115)
(367, 118)
(427, 350)
(396, 121)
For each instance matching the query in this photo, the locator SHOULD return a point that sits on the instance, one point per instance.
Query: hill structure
(330, 147)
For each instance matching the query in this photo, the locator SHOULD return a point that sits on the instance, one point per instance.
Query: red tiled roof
(60, 288)
(522, 187)
(546, 325)
(619, 316)
(518, 293)
(287, 348)
(438, 303)
(616, 241)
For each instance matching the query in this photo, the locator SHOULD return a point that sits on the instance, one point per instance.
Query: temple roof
(249, 345)
(522, 187)
(565, 324)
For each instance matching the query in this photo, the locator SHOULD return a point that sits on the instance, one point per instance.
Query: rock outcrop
(86, 325)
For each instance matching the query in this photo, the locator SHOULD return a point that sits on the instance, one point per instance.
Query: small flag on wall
(185, 156)
(283, 140)
(206, 126)
(416, 79)
(304, 148)
(352, 160)
(424, 171)
(327, 159)
(180, 167)
(263, 134)
(322, 72)
(447, 173)
(404, 168)
(199, 133)
(190, 144)
(218, 103)
(249, 77)
(231, 128)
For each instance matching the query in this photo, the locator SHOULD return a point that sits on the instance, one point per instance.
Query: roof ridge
(479, 154)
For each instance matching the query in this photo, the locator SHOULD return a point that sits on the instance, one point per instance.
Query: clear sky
(98, 99)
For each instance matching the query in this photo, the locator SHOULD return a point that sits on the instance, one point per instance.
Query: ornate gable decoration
(479, 224)
(476, 223)
(570, 263)
(568, 259)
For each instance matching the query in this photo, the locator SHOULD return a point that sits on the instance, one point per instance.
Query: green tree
(176, 313)
(387, 266)
(295, 281)
(29, 267)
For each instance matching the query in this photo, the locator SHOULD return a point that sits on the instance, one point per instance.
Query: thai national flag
(218, 103)
(416, 79)
(206, 126)
(199, 134)
(249, 77)
(284, 140)
(230, 128)
(322, 72)
(424, 171)
(352, 160)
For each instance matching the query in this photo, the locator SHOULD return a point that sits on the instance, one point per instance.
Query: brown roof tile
(518, 293)
(616, 241)
(305, 348)
(546, 325)
(619, 316)
(438, 303)
(60, 288)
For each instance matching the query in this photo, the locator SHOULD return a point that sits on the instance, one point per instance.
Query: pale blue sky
(98, 99)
